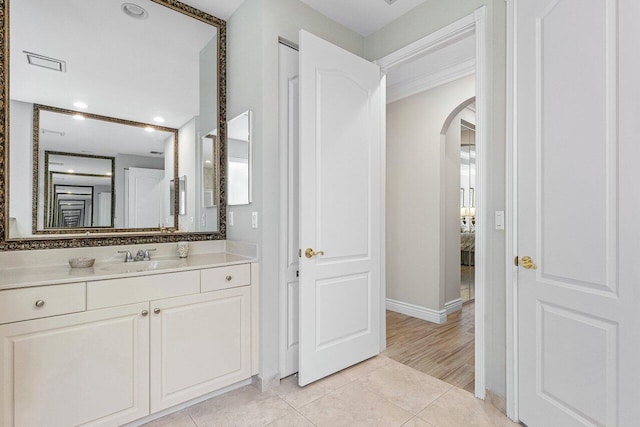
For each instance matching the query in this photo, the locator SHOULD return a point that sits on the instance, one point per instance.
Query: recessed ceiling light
(134, 11)
(149, 129)
(158, 119)
(71, 171)
(108, 174)
(78, 116)
(80, 105)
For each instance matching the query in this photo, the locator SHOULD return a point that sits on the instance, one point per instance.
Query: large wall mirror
(109, 101)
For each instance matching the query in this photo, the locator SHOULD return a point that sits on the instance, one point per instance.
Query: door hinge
(516, 262)
(299, 253)
(297, 273)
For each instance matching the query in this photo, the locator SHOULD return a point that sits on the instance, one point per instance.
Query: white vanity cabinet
(199, 343)
(88, 368)
(141, 345)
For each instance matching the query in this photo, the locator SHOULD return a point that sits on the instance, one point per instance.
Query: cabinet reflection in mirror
(239, 160)
(101, 172)
(129, 89)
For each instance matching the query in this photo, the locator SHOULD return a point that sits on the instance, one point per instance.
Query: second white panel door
(341, 203)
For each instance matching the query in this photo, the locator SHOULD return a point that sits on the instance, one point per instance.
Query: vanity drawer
(41, 301)
(214, 279)
(129, 290)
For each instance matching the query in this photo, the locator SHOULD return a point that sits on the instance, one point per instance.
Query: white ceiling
(120, 66)
(98, 137)
(90, 165)
(363, 16)
(221, 8)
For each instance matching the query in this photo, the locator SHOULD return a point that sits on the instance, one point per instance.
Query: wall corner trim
(428, 314)
(453, 306)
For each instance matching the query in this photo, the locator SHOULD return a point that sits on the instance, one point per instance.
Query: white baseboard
(264, 384)
(428, 314)
(453, 306)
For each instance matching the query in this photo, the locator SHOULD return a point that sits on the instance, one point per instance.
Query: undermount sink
(140, 266)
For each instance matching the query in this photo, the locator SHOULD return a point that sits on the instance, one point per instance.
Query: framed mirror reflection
(101, 173)
(239, 159)
(79, 191)
(119, 93)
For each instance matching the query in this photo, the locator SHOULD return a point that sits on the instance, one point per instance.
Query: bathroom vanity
(115, 343)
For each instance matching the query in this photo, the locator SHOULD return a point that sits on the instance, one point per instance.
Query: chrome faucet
(128, 257)
(143, 255)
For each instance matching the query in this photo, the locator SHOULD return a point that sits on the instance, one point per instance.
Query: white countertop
(12, 278)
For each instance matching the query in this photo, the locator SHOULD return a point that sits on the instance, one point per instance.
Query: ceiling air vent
(46, 62)
(53, 132)
(158, 153)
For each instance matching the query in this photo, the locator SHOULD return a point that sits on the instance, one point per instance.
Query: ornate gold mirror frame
(115, 237)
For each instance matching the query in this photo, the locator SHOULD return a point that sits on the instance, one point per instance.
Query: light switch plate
(499, 220)
(254, 219)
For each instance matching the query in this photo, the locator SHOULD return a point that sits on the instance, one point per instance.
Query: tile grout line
(296, 411)
(388, 400)
(434, 401)
(191, 418)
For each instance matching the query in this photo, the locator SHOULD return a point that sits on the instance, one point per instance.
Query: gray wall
(420, 22)
(21, 156)
(414, 214)
(252, 84)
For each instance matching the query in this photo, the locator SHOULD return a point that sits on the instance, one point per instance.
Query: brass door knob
(310, 253)
(528, 263)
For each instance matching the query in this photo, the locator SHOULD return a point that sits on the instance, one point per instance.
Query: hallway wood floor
(443, 351)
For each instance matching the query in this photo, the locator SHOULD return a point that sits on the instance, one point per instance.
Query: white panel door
(89, 368)
(577, 108)
(199, 343)
(289, 134)
(341, 188)
(144, 197)
(104, 210)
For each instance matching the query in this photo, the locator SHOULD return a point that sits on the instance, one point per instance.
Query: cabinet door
(89, 368)
(199, 343)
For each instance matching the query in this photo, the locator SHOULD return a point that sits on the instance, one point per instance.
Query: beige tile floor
(377, 392)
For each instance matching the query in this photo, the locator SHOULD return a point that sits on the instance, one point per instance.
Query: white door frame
(473, 23)
(511, 219)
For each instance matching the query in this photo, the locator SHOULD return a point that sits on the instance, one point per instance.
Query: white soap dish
(81, 262)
